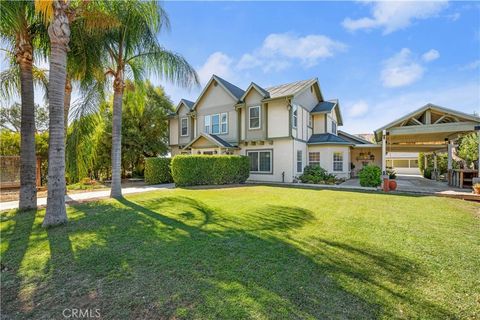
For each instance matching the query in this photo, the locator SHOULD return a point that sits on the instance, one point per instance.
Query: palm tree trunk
(59, 33)
(66, 104)
(28, 161)
(118, 86)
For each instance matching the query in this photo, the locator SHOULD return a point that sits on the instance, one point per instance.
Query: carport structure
(429, 129)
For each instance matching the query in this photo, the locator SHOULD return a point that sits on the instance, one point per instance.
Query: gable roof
(290, 89)
(235, 92)
(189, 104)
(253, 85)
(353, 138)
(327, 138)
(323, 107)
(422, 110)
(329, 106)
(212, 138)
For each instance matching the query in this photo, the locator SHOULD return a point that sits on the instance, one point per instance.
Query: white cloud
(357, 109)
(280, 50)
(401, 70)
(430, 55)
(471, 66)
(395, 15)
(459, 96)
(217, 63)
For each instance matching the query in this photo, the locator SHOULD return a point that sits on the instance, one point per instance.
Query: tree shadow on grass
(176, 257)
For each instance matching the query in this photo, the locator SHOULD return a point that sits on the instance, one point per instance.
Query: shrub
(157, 170)
(427, 172)
(370, 176)
(316, 174)
(190, 170)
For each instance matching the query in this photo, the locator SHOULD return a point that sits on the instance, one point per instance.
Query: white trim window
(314, 158)
(299, 161)
(208, 123)
(338, 161)
(310, 120)
(254, 117)
(184, 127)
(260, 161)
(294, 116)
(334, 127)
(215, 123)
(224, 122)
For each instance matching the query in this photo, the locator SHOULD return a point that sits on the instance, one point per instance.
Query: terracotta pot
(392, 184)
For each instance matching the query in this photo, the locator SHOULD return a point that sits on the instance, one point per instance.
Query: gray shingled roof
(236, 91)
(289, 89)
(353, 138)
(188, 103)
(264, 92)
(327, 138)
(221, 141)
(324, 106)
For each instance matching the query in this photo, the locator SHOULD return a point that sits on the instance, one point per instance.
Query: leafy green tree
(11, 118)
(20, 29)
(468, 148)
(134, 52)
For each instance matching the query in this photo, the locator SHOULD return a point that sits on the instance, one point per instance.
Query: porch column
(434, 176)
(449, 161)
(478, 163)
(384, 152)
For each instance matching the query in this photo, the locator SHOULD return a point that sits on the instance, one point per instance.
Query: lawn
(250, 252)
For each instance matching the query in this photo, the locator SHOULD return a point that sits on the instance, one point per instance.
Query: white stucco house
(281, 129)
(286, 127)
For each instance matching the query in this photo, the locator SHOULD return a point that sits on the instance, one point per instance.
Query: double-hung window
(334, 127)
(224, 122)
(184, 127)
(299, 161)
(310, 121)
(254, 117)
(215, 124)
(260, 161)
(314, 158)
(208, 123)
(338, 161)
(295, 116)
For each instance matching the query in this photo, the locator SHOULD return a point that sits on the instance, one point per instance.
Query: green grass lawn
(250, 252)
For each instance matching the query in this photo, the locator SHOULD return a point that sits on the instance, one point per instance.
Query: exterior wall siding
(326, 158)
(278, 119)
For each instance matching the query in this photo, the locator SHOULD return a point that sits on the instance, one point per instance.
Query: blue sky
(381, 60)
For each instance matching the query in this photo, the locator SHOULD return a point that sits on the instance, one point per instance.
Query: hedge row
(157, 170)
(190, 170)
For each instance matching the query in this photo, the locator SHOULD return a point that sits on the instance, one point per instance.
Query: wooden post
(434, 176)
(384, 152)
(38, 173)
(449, 163)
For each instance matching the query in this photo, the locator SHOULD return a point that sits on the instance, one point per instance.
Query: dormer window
(310, 120)
(184, 127)
(334, 127)
(254, 117)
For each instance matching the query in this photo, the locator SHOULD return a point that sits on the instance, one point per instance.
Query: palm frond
(45, 9)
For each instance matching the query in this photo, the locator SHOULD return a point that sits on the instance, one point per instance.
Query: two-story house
(281, 129)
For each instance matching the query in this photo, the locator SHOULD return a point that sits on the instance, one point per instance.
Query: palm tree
(133, 51)
(20, 27)
(55, 14)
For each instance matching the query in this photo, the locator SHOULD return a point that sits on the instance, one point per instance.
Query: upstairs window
(254, 117)
(334, 127)
(310, 120)
(224, 122)
(338, 161)
(215, 124)
(207, 124)
(295, 116)
(184, 127)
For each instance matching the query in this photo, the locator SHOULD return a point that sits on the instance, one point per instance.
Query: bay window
(314, 158)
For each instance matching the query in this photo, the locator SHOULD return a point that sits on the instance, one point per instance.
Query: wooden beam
(428, 117)
(434, 128)
(415, 120)
(441, 118)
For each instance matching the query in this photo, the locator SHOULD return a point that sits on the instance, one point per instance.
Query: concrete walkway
(92, 195)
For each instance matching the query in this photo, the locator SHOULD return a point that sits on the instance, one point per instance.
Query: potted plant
(476, 188)
(392, 184)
